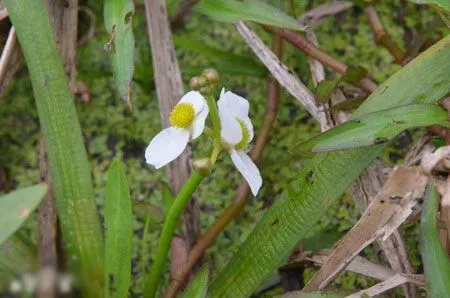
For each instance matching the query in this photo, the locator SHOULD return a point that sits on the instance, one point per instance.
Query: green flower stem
(170, 224)
(214, 116)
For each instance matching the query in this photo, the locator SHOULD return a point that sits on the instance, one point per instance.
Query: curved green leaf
(198, 288)
(16, 206)
(423, 80)
(118, 16)
(247, 10)
(435, 260)
(118, 232)
(375, 128)
(323, 180)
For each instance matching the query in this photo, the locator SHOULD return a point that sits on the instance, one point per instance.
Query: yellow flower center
(245, 135)
(182, 115)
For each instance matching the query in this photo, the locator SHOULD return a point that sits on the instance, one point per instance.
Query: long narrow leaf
(247, 10)
(119, 232)
(435, 260)
(118, 22)
(375, 128)
(69, 167)
(323, 180)
(16, 206)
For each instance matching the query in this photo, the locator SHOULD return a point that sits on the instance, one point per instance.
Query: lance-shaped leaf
(375, 128)
(323, 180)
(16, 206)
(118, 232)
(435, 260)
(198, 288)
(118, 22)
(247, 10)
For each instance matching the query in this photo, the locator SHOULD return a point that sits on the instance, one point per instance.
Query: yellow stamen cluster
(245, 135)
(182, 115)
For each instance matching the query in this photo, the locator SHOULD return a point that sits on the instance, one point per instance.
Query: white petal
(166, 146)
(236, 105)
(230, 130)
(248, 169)
(196, 99)
(198, 126)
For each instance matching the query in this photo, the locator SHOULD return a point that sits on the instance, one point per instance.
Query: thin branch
(316, 16)
(7, 52)
(309, 49)
(3, 14)
(381, 36)
(391, 283)
(242, 193)
(182, 14)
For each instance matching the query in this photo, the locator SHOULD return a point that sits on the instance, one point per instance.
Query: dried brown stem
(169, 87)
(311, 50)
(7, 52)
(182, 14)
(381, 36)
(3, 14)
(243, 191)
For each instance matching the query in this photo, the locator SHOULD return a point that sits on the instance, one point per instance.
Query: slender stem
(168, 230)
(381, 36)
(214, 116)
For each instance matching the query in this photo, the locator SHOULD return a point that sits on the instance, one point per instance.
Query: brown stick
(309, 49)
(182, 14)
(169, 87)
(381, 36)
(243, 191)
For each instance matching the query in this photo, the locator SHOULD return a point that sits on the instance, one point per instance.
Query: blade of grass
(435, 259)
(118, 232)
(69, 167)
(198, 287)
(247, 10)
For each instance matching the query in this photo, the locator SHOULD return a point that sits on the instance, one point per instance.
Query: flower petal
(166, 146)
(198, 126)
(248, 169)
(196, 99)
(230, 130)
(236, 105)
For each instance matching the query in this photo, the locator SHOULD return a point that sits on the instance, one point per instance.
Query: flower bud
(198, 82)
(211, 75)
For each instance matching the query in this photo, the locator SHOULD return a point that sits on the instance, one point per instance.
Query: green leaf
(443, 5)
(435, 260)
(223, 61)
(16, 206)
(118, 232)
(376, 128)
(118, 16)
(198, 288)
(423, 80)
(322, 181)
(351, 76)
(69, 166)
(247, 10)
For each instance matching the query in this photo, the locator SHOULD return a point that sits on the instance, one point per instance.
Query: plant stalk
(170, 224)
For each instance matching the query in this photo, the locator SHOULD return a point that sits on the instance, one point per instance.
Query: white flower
(188, 121)
(237, 132)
